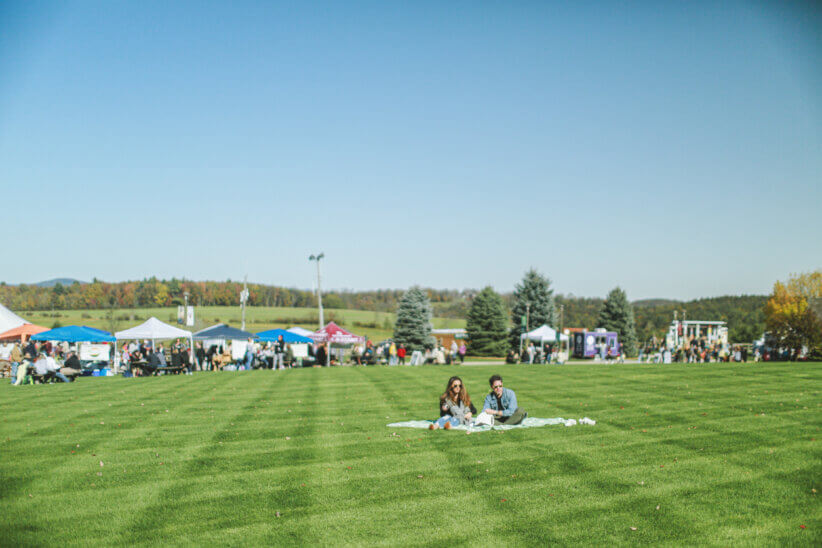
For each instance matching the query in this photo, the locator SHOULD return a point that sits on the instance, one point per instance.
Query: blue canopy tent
(75, 333)
(222, 331)
(272, 335)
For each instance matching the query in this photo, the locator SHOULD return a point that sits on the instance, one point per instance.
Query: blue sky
(672, 149)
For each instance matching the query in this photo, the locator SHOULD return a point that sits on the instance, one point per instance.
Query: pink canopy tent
(334, 334)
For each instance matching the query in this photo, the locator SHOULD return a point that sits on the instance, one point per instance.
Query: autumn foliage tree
(789, 316)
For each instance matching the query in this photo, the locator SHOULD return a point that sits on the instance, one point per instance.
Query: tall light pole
(319, 286)
(244, 298)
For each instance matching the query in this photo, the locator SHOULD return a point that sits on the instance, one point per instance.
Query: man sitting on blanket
(501, 403)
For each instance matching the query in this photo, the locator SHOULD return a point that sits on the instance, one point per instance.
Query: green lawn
(710, 454)
(376, 325)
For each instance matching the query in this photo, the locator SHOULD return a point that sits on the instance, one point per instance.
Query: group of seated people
(43, 363)
(456, 408)
(143, 359)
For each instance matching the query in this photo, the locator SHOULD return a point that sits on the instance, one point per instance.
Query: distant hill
(656, 302)
(55, 281)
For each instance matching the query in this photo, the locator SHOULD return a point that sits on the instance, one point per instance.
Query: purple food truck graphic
(588, 344)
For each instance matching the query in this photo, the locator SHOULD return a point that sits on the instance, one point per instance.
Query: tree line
(744, 314)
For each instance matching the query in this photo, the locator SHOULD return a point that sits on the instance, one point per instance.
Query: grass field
(376, 325)
(710, 454)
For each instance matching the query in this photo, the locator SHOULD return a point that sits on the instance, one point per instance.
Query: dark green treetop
(617, 314)
(487, 324)
(413, 327)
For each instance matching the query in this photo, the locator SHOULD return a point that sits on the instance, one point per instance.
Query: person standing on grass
(279, 353)
(462, 350)
(501, 403)
(199, 356)
(455, 406)
(392, 353)
(401, 354)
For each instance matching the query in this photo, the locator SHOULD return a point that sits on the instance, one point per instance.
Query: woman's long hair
(449, 394)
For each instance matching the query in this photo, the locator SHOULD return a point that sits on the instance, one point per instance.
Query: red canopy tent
(22, 332)
(334, 334)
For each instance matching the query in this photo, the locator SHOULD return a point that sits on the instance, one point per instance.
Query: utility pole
(319, 286)
(244, 298)
(561, 317)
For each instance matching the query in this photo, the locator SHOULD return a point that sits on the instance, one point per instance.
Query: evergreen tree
(617, 314)
(535, 298)
(413, 327)
(487, 324)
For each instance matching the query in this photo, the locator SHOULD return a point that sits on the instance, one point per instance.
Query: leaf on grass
(657, 506)
(503, 500)
(277, 514)
(288, 437)
(633, 528)
(419, 477)
(801, 526)
(101, 464)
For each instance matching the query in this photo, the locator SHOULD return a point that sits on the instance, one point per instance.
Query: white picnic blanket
(530, 422)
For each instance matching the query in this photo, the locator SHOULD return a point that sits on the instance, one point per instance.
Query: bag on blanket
(484, 418)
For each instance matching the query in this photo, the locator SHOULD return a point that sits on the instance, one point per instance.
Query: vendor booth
(22, 333)
(337, 337)
(298, 343)
(155, 330)
(220, 333)
(93, 345)
(547, 335)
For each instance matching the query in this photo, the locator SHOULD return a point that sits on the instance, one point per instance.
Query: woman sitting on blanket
(455, 406)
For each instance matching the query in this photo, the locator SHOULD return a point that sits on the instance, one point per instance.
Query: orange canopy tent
(22, 333)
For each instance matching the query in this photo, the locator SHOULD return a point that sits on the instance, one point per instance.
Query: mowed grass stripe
(720, 471)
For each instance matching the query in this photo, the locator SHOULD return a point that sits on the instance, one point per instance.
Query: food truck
(590, 344)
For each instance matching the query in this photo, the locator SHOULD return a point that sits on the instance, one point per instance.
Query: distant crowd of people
(695, 350)
(536, 354)
(141, 359)
(391, 353)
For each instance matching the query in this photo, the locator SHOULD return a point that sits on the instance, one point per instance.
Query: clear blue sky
(674, 149)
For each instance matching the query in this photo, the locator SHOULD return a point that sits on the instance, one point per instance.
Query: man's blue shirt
(509, 402)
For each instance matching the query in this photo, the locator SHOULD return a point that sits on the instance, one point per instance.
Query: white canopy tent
(9, 320)
(544, 334)
(301, 331)
(153, 329)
